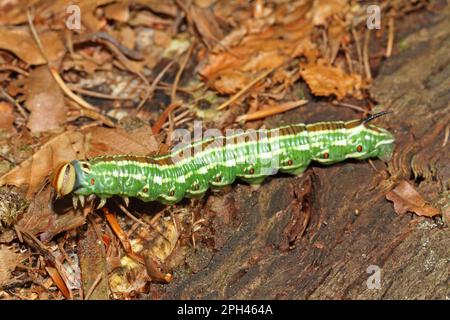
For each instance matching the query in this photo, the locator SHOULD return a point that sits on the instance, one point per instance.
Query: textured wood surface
(255, 245)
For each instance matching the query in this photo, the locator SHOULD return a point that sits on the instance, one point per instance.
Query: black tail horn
(376, 115)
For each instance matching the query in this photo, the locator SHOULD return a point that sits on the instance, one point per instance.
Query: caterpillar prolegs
(188, 171)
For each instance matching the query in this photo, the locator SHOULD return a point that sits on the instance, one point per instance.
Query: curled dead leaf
(45, 101)
(41, 219)
(140, 141)
(20, 42)
(32, 172)
(230, 70)
(406, 198)
(326, 80)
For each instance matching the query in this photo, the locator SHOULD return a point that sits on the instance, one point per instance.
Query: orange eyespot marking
(92, 181)
(326, 155)
(359, 148)
(290, 162)
(145, 190)
(251, 171)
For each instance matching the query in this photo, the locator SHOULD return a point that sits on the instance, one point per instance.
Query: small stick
(13, 101)
(60, 81)
(244, 90)
(260, 114)
(446, 134)
(93, 286)
(351, 106)
(390, 43)
(366, 55)
(179, 74)
(99, 95)
(118, 231)
(130, 215)
(162, 119)
(69, 92)
(155, 83)
(5, 66)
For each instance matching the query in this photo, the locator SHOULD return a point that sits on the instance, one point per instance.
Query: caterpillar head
(64, 178)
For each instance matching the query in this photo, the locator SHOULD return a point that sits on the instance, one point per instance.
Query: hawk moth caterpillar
(217, 161)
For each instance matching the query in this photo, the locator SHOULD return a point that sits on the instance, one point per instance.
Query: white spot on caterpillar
(158, 180)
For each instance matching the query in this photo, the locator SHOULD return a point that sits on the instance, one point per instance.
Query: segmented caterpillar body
(217, 161)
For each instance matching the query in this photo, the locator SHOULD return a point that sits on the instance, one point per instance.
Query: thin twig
(446, 134)
(130, 215)
(351, 106)
(124, 60)
(179, 73)
(94, 285)
(366, 55)
(99, 94)
(13, 101)
(177, 119)
(244, 90)
(163, 117)
(390, 43)
(60, 81)
(13, 68)
(36, 36)
(155, 82)
(260, 114)
(69, 92)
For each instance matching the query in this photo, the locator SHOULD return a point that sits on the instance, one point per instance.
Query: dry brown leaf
(8, 262)
(58, 281)
(230, 70)
(127, 37)
(118, 11)
(164, 7)
(40, 217)
(16, 14)
(206, 24)
(323, 9)
(45, 101)
(20, 42)
(326, 80)
(406, 198)
(6, 115)
(118, 141)
(88, 16)
(76, 145)
(32, 172)
(147, 19)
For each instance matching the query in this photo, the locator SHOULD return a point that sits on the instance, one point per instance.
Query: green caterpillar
(218, 161)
